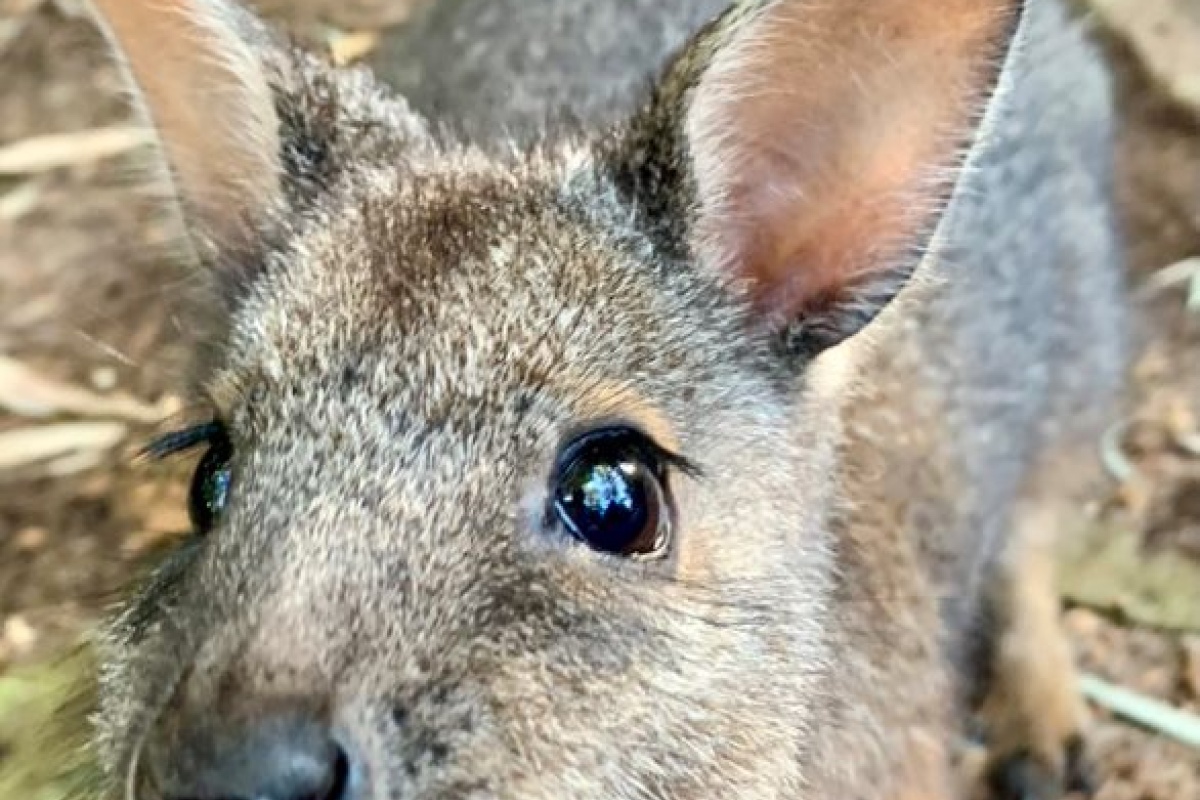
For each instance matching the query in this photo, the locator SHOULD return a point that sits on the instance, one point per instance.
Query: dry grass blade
(1153, 714)
(53, 151)
(25, 392)
(25, 447)
(1112, 453)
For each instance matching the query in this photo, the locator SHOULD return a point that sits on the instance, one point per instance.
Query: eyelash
(648, 447)
(181, 441)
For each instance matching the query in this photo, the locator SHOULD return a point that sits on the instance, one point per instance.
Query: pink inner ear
(806, 249)
(826, 136)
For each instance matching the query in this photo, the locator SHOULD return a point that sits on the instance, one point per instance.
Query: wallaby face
(523, 469)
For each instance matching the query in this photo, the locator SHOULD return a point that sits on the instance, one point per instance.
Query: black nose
(275, 758)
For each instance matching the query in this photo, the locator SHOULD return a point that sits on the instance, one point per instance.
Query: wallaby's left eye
(609, 491)
(209, 493)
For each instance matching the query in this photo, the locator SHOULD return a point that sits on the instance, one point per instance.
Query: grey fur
(504, 67)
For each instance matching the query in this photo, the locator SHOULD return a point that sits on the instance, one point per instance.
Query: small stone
(19, 636)
(170, 405)
(32, 538)
(104, 379)
(1082, 622)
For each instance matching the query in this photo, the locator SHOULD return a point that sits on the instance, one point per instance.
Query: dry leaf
(1163, 33)
(1108, 569)
(347, 48)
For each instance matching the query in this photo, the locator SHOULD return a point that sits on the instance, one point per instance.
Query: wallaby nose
(275, 758)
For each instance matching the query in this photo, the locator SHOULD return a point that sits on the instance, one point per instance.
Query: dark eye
(209, 492)
(610, 492)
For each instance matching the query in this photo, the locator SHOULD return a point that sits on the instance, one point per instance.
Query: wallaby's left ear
(197, 66)
(251, 129)
(817, 143)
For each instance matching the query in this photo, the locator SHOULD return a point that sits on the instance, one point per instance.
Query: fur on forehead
(487, 264)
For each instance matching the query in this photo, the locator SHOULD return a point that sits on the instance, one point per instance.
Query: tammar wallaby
(624, 400)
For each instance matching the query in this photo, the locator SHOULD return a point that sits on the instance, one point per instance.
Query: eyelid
(583, 435)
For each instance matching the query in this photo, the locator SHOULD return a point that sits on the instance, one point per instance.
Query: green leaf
(39, 759)
(1107, 569)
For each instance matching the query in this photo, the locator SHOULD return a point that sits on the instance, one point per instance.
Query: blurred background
(89, 356)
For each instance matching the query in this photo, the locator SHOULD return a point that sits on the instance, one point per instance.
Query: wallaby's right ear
(198, 70)
(807, 149)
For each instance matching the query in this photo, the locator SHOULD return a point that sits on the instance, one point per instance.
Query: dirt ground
(87, 281)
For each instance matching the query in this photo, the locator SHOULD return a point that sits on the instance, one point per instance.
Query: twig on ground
(1155, 715)
(56, 150)
(24, 447)
(29, 394)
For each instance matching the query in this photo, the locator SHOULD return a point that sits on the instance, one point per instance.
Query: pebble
(104, 379)
(31, 538)
(18, 635)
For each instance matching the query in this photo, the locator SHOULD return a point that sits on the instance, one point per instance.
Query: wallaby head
(522, 465)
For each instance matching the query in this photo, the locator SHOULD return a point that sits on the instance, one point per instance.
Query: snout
(283, 754)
